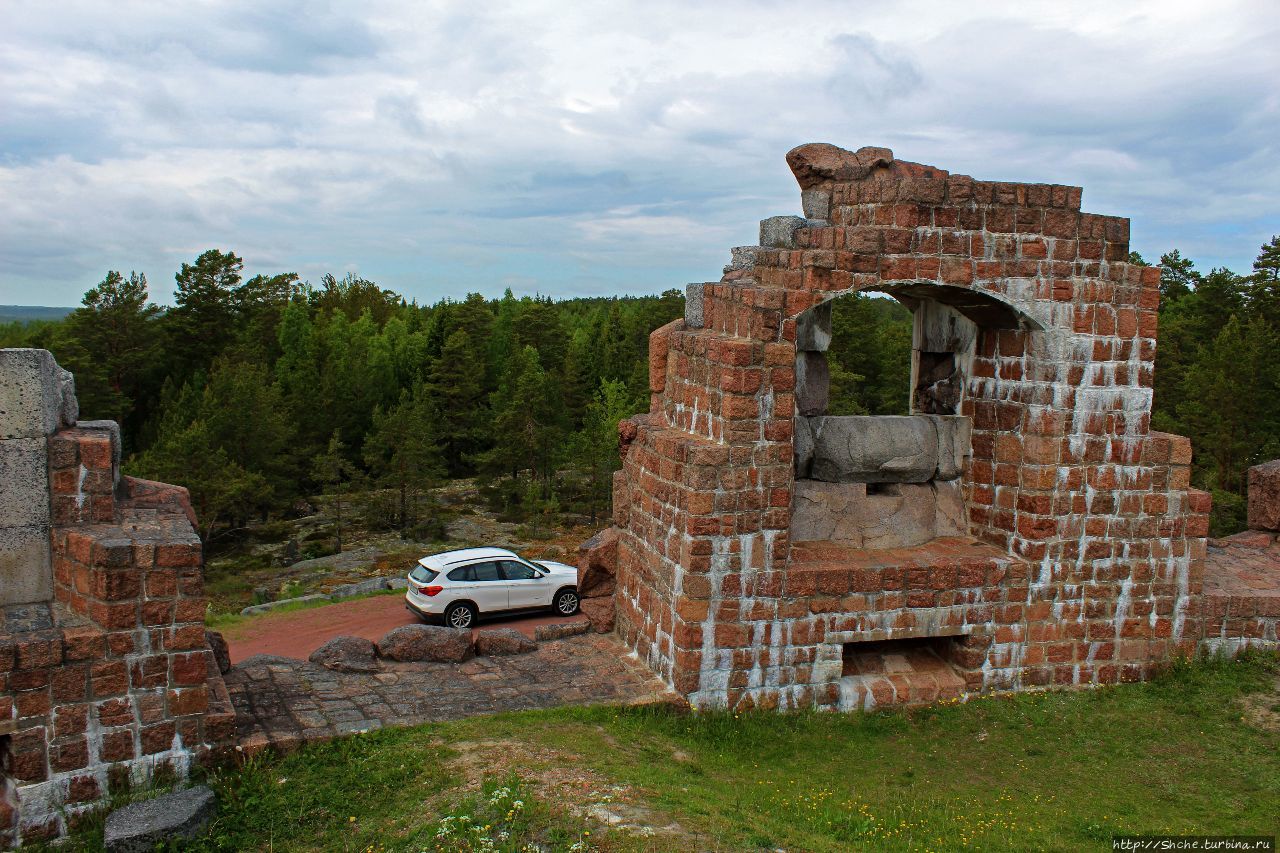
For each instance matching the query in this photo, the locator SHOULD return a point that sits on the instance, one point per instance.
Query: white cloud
(441, 147)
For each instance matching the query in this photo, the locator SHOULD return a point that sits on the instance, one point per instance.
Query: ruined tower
(1023, 527)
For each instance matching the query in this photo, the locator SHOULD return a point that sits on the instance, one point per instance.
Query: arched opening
(888, 477)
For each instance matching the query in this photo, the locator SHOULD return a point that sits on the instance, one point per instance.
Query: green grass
(1044, 771)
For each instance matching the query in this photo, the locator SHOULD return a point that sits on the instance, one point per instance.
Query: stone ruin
(1023, 528)
(106, 676)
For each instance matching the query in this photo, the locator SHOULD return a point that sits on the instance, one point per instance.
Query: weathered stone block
(26, 575)
(140, 827)
(601, 612)
(896, 516)
(813, 329)
(693, 306)
(816, 204)
(813, 383)
(366, 587)
(621, 499)
(24, 495)
(954, 444)
(36, 396)
(1264, 496)
(742, 258)
(802, 446)
(951, 518)
(860, 449)
(779, 232)
(112, 429)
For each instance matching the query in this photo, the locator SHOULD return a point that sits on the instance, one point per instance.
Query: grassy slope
(1057, 771)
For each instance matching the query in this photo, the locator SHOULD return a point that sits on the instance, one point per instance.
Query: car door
(487, 587)
(525, 587)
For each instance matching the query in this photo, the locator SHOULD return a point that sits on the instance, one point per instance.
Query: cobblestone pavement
(281, 702)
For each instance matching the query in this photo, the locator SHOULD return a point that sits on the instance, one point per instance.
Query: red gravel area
(301, 632)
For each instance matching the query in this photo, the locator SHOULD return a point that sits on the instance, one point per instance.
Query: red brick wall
(1101, 542)
(121, 680)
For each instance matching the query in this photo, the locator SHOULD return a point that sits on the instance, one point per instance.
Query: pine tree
(110, 344)
(1267, 265)
(596, 444)
(456, 382)
(1178, 276)
(527, 422)
(402, 450)
(245, 415)
(203, 323)
(1264, 288)
(222, 491)
(1231, 410)
(334, 470)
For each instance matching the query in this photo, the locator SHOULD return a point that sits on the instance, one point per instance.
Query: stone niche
(879, 482)
(892, 481)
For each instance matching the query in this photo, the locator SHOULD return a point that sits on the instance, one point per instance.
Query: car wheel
(567, 601)
(460, 615)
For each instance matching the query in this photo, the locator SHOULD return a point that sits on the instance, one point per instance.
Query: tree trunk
(339, 514)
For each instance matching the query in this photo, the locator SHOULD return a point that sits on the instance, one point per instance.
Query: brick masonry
(1085, 555)
(112, 678)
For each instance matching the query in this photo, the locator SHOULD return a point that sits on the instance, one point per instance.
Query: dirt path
(299, 633)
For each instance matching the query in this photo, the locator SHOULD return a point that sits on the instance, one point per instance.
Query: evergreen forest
(260, 392)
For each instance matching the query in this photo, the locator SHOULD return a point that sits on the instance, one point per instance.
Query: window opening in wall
(913, 655)
(869, 357)
(879, 442)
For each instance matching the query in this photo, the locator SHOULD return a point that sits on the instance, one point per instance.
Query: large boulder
(817, 163)
(598, 564)
(347, 654)
(601, 612)
(221, 654)
(140, 827)
(1264, 496)
(426, 643)
(503, 641)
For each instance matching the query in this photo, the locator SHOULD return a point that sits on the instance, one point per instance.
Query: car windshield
(423, 575)
(541, 565)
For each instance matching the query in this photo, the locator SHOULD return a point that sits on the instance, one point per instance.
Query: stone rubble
(160, 821)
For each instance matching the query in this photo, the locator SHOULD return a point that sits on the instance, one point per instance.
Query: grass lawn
(1195, 752)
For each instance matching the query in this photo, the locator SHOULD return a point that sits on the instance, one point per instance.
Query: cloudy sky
(574, 148)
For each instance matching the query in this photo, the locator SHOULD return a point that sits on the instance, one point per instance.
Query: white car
(458, 586)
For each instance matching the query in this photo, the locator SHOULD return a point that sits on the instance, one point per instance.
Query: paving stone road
(282, 702)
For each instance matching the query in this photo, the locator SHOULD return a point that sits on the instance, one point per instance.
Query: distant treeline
(258, 393)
